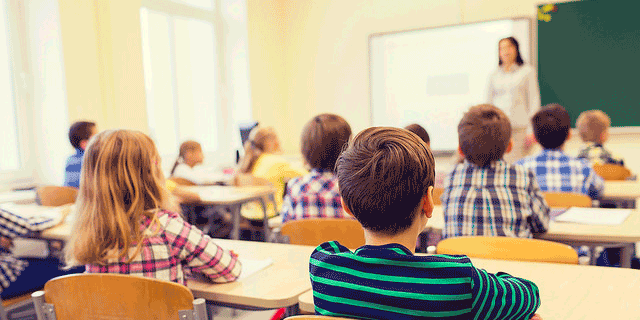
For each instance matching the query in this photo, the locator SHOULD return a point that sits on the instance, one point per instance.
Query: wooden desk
(624, 235)
(277, 286)
(622, 193)
(233, 198)
(24, 196)
(567, 291)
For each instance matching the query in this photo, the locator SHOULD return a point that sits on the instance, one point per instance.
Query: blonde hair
(591, 124)
(185, 147)
(121, 183)
(255, 146)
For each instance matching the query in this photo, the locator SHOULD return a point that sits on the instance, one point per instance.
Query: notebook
(594, 216)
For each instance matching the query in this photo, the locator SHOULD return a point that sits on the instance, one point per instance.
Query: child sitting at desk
(121, 225)
(190, 156)
(484, 195)
(79, 134)
(262, 160)
(386, 182)
(593, 126)
(316, 194)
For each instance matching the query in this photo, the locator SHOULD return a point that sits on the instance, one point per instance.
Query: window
(10, 159)
(196, 78)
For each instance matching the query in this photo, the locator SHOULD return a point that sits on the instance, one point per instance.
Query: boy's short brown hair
(591, 124)
(79, 131)
(551, 126)
(383, 174)
(420, 131)
(323, 138)
(484, 134)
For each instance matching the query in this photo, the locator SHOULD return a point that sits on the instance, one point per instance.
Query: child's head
(80, 132)
(121, 182)
(593, 126)
(383, 176)
(420, 131)
(261, 140)
(323, 138)
(484, 134)
(551, 126)
(190, 154)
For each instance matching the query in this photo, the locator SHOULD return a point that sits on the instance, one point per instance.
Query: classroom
(161, 74)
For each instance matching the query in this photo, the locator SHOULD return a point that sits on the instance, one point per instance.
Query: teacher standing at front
(513, 87)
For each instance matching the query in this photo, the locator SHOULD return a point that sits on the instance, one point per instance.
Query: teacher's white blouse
(515, 92)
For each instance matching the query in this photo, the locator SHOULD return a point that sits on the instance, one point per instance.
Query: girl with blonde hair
(122, 225)
(262, 160)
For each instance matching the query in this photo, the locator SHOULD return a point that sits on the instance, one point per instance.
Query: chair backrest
(315, 317)
(54, 196)
(611, 171)
(507, 248)
(116, 296)
(182, 181)
(567, 199)
(313, 232)
(437, 193)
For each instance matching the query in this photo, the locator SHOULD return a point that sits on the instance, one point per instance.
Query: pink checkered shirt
(178, 249)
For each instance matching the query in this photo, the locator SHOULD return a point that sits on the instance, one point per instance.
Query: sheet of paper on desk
(595, 216)
(250, 266)
(28, 211)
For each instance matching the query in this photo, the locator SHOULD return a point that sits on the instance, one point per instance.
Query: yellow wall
(325, 57)
(102, 51)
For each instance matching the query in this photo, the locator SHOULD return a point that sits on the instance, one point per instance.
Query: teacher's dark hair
(514, 42)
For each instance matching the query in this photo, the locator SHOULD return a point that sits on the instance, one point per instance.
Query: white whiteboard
(432, 76)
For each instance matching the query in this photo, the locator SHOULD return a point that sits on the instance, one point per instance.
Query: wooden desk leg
(235, 232)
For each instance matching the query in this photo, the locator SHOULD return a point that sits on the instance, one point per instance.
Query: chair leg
(3, 313)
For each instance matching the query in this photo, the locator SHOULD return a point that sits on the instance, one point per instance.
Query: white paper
(595, 216)
(18, 196)
(250, 266)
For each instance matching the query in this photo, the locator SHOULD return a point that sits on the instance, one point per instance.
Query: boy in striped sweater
(386, 181)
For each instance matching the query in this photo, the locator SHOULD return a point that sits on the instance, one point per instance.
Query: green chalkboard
(589, 58)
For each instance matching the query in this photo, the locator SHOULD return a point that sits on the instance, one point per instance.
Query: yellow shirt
(277, 171)
(170, 185)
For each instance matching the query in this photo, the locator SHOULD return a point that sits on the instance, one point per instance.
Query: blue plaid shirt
(497, 200)
(558, 172)
(72, 170)
(315, 195)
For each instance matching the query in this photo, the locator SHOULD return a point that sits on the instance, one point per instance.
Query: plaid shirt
(497, 200)
(597, 154)
(557, 172)
(315, 195)
(177, 249)
(11, 226)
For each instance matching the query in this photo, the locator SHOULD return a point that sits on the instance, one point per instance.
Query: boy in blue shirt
(386, 178)
(79, 135)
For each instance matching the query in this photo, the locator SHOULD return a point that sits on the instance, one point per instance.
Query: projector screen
(432, 76)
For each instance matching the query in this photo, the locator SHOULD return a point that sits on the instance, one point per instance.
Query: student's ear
(344, 207)
(427, 204)
(83, 144)
(509, 146)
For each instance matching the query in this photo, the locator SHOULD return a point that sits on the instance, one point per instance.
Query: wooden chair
(115, 296)
(313, 232)
(611, 171)
(182, 181)
(55, 196)
(437, 193)
(315, 317)
(507, 248)
(567, 199)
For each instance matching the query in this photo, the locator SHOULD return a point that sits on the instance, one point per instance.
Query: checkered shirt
(73, 168)
(315, 195)
(11, 226)
(497, 200)
(178, 249)
(597, 154)
(558, 172)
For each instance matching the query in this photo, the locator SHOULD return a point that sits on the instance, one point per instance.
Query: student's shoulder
(171, 222)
